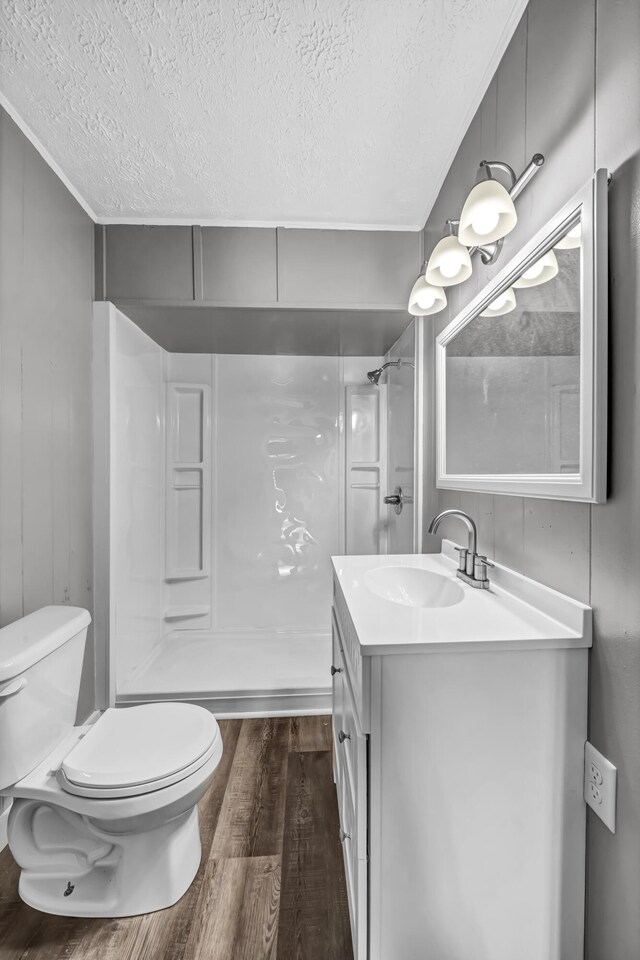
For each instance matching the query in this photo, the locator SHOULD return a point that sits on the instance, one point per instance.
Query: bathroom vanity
(459, 721)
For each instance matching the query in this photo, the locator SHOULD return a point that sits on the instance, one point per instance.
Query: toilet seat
(138, 750)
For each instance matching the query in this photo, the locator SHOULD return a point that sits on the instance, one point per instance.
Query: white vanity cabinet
(459, 769)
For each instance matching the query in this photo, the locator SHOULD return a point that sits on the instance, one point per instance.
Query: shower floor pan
(236, 675)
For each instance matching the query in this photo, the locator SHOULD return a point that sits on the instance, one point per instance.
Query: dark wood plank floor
(271, 881)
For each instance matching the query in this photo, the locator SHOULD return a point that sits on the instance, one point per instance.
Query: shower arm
(374, 375)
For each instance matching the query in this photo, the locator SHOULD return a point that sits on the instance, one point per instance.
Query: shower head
(374, 375)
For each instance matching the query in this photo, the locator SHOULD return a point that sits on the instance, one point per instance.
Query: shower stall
(224, 483)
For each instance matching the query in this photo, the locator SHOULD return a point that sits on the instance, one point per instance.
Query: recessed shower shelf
(186, 612)
(187, 575)
(188, 481)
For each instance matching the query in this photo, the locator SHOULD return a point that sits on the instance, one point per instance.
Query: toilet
(104, 819)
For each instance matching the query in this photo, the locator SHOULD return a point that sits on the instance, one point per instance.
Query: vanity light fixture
(544, 269)
(426, 298)
(489, 212)
(571, 239)
(488, 215)
(505, 302)
(449, 262)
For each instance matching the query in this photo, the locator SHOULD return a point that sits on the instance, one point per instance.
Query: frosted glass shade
(449, 263)
(488, 214)
(544, 269)
(425, 298)
(503, 303)
(571, 239)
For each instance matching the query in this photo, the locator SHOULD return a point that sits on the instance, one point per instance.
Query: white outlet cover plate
(600, 782)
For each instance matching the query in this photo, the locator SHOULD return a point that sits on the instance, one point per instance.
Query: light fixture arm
(517, 184)
(487, 167)
(489, 252)
(527, 174)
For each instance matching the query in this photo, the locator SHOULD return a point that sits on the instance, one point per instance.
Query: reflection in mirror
(513, 374)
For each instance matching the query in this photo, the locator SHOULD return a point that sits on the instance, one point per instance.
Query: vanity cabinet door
(354, 761)
(357, 667)
(356, 870)
(337, 712)
(350, 771)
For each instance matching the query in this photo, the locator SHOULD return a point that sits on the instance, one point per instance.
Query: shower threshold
(236, 674)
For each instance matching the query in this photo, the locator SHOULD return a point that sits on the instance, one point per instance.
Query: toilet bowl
(104, 822)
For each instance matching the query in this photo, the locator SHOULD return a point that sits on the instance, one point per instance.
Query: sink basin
(413, 587)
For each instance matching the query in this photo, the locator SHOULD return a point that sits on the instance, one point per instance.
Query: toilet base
(72, 868)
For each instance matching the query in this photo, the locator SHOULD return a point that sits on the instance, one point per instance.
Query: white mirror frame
(590, 484)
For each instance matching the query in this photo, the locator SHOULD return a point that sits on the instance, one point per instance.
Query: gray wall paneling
(346, 266)
(229, 266)
(613, 920)
(543, 99)
(239, 263)
(246, 290)
(46, 291)
(144, 263)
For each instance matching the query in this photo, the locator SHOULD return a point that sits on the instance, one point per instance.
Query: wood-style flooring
(271, 881)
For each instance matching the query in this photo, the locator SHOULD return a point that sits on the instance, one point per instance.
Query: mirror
(521, 371)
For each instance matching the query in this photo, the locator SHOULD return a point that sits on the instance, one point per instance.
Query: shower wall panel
(401, 441)
(137, 501)
(276, 511)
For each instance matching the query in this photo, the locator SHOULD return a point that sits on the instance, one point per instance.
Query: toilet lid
(140, 745)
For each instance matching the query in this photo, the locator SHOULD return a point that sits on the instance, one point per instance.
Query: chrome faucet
(472, 567)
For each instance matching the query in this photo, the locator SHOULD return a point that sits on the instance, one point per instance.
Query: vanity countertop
(393, 611)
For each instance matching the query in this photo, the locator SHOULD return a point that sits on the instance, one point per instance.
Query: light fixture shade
(449, 263)
(425, 298)
(571, 239)
(544, 269)
(503, 303)
(488, 214)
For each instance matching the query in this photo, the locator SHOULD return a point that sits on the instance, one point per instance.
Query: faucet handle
(480, 565)
(462, 559)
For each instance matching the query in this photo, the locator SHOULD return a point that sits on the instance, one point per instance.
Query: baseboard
(285, 703)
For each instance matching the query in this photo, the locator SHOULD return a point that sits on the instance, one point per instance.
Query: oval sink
(413, 587)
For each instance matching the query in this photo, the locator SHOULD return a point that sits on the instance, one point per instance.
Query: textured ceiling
(306, 112)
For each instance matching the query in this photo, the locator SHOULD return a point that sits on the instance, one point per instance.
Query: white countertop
(514, 612)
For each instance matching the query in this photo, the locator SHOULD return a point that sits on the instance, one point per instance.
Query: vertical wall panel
(557, 545)
(560, 104)
(346, 266)
(12, 317)
(154, 263)
(613, 921)
(511, 104)
(239, 263)
(46, 289)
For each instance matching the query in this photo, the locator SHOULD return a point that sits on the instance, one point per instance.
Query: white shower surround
(250, 632)
(257, 112)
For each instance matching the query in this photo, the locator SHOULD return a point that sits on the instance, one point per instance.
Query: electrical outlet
(600, 781)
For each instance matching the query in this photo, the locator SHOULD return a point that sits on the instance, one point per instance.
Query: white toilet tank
(40, 666)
